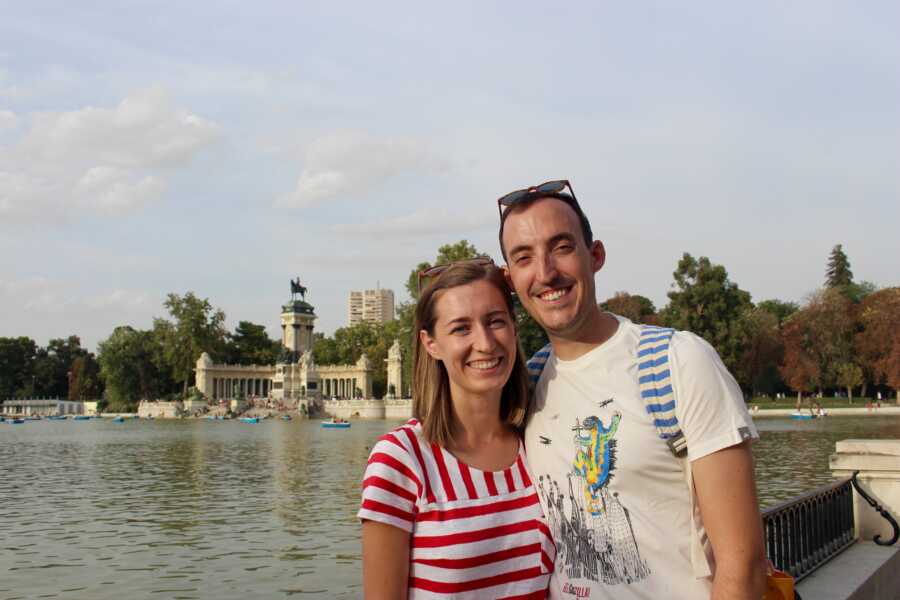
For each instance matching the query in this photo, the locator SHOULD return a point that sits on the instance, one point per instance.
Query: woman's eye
(498, 323)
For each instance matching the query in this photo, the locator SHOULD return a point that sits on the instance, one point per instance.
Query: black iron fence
(807, 531)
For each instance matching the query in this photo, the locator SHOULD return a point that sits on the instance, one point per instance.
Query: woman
(448, 508)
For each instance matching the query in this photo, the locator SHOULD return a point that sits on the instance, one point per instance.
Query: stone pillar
(394, 371)
(878, 463)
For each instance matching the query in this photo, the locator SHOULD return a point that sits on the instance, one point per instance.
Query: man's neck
(588, 336)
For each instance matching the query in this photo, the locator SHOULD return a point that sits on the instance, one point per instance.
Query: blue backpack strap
(655, 382)
(536, 365)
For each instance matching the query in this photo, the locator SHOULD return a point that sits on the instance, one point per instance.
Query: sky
(225, 148)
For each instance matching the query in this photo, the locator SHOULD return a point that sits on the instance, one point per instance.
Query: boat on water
(802, 416)
(119, 419)
(57, 418)
(249, 419)
(81, 418)
(16, 421)
(336, 424)
(285, 417)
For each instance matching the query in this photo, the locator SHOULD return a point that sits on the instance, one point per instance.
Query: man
(630, 518)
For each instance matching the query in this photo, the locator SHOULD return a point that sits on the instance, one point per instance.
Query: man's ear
(598, 255)
(505, 270)
(428, 343)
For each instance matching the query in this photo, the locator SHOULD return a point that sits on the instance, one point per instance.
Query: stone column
(878, 463)
(394, 370)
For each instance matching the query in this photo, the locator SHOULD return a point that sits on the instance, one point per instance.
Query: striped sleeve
(391, 485)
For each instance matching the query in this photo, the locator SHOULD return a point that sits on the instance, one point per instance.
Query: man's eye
(521, 259)
(459, 329)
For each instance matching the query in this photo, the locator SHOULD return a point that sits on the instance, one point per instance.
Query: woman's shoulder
(407, 437)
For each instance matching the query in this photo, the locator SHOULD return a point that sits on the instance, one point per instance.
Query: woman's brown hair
(431, 386)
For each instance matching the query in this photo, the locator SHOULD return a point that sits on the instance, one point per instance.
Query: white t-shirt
(633, 530)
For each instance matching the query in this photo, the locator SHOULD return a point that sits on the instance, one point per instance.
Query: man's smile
(554, 294)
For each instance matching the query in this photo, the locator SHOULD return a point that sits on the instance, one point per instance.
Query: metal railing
(805, 532)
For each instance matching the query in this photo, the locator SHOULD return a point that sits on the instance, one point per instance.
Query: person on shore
(448, 507)
(639, 436)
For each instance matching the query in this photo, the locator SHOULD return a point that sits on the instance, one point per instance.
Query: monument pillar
(394, 371)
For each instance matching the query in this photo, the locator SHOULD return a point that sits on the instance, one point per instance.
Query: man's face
(550, 266)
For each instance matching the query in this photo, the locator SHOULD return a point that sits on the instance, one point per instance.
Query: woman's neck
(476, 419)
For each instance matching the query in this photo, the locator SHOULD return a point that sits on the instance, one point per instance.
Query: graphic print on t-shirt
(594, 536)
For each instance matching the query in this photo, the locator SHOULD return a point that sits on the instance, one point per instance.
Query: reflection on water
(792, 455)
(218, 509)
(182, 509)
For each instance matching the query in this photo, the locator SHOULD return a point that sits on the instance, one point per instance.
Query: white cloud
(8, 120)
(348, 162)
(110, 161)
(422, 222)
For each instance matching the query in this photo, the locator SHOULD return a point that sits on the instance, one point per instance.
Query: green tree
(196, 327)
(53, 366)
(763, 351)
(849, 375)
(707, 303)
(448, 253)
(831, 326)
(532, 336)
(130, 369)
(781, 309)
(85, 382)
(634, 307)
(250, 345)
(17, 357)
(838, 273)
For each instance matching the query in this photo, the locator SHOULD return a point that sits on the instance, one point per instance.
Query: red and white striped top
(475, 534)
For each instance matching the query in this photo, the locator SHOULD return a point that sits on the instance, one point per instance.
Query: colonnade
(344, 387)
(230, 387)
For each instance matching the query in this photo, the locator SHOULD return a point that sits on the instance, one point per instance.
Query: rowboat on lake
(336, 424)
(249, 419)
(81, 418)
(802, 416)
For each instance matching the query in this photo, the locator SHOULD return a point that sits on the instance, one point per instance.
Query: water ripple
(200, 509)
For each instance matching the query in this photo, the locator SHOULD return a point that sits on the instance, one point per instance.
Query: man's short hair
(567, 199)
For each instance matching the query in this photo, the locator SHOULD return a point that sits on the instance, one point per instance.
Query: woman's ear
(429, 344)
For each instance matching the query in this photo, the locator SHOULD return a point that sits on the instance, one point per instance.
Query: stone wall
(153, 409)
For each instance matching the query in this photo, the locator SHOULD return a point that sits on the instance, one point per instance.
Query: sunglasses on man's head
(432, 272)
(548, 188)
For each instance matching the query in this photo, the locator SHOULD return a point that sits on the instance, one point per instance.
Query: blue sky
(227, 147)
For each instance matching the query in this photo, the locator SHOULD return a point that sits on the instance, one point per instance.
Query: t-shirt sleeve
(391, 485)
(709, 404)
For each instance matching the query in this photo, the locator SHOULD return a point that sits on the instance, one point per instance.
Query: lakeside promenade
(862, 411)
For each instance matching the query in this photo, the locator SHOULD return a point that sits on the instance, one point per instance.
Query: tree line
(846, 336)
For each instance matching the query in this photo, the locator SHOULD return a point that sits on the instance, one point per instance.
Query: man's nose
(546, 268)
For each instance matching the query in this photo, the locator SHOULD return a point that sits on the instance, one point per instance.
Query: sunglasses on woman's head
(432, 272)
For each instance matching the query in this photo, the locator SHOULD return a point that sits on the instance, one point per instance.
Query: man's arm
(726, 496)
(385, 561)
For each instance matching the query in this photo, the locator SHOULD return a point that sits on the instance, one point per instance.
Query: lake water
(222, 509)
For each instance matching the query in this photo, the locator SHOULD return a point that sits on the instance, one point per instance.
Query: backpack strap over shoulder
(536, 365)
(655, 382)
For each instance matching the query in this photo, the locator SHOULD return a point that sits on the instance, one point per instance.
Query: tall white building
(375, 306)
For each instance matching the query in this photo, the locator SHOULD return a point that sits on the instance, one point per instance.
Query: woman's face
(474, 336)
